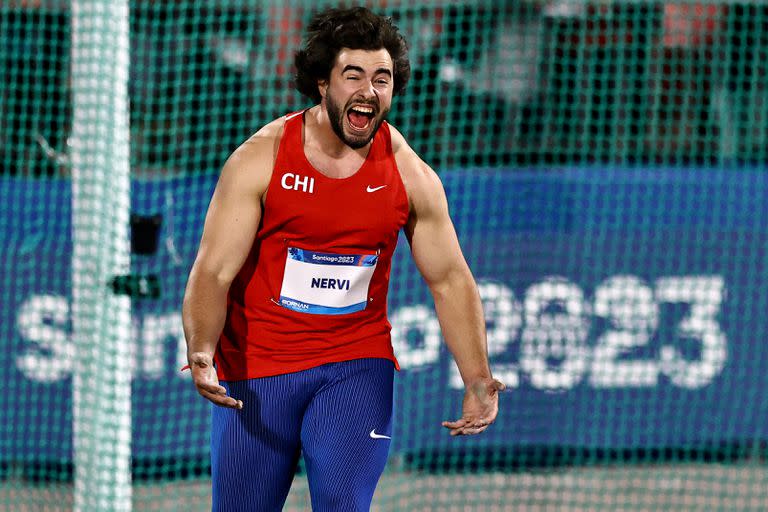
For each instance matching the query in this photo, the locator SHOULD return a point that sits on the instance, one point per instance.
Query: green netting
(605, 163)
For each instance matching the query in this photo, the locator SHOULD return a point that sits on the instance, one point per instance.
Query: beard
(337, 113)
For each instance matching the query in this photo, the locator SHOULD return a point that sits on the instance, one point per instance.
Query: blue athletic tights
(338, 415)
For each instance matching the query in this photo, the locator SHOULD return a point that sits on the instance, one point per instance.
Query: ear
(322, 87)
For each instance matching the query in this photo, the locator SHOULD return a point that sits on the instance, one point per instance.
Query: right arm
(228, 234)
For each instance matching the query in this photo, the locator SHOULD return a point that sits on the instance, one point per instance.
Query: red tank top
(314, 288)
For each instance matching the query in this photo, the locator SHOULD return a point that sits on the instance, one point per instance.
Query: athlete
(285, 307)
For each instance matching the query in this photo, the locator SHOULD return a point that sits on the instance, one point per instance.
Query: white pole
(101, 320)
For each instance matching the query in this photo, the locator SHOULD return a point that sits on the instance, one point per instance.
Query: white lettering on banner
(49, 357)
(155, 332)
(503, 320)
(705, 295)
(415, 321)
(559, 335)
(551, 324)
(628, 304)
(554, 354)
(42, 320)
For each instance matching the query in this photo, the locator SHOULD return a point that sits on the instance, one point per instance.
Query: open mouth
(360, 116)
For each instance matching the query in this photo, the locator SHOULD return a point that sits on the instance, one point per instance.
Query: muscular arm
(437, 255)
(228, 234)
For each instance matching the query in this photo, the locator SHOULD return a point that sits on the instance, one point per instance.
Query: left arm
(438, 256)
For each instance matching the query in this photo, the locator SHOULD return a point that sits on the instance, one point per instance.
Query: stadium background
(605, 164)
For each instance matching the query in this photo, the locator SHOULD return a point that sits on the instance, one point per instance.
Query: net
(605, 168)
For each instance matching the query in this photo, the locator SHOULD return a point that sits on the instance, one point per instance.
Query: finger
(223, 400)
(478, 423)
(471, 431)
(455, 424)
(229, 403)
(209, 392)
(212, 388)
(473, 421)
(468, 426)
(468, 431)
(468, 421)
(498, 385)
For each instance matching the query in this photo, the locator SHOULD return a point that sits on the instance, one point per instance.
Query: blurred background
(605, 163)
(513, 84)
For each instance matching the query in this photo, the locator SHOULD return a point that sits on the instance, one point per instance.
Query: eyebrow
(350, 67)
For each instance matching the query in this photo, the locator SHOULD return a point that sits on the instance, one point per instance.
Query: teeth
(363, 110)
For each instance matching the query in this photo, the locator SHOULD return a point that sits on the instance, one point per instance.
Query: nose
(368, 90)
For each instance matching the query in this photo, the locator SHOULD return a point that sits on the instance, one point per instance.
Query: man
(288, 292)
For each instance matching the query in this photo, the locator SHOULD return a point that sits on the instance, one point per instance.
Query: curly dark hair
(356, 28)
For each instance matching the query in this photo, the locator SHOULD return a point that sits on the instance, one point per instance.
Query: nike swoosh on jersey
(374, 435)
(374, 189)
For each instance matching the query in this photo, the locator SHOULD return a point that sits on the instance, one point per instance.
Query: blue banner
(625, 309)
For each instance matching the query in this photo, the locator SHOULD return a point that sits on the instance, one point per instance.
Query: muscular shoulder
(422, 183)
(260, 149)
(250, 165)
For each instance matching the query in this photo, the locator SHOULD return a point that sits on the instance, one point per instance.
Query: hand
(207, 382)
(481, 404)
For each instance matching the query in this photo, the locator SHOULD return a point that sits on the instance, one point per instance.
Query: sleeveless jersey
(314, 288)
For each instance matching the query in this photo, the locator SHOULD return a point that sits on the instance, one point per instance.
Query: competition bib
(326, 283)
